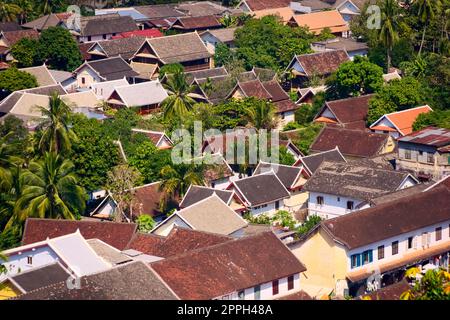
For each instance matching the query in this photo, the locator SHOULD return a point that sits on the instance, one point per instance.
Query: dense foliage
(12, 80)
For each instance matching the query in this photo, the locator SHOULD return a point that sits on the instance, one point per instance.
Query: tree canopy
(13, 79)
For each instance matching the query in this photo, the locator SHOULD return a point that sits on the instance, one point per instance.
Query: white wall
(19, 262)
(333, 206)
(268, 209)
(402, 245)
(90, 77)
(386, 123)
(164, 229)
(95, 38)
(289, 116)
(220, 184)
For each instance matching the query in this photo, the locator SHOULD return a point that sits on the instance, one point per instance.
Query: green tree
(231, 114)
(395, 96)
(3, 259)
(309, 224)
(305, 136)
(286, 157)
(229, 21)
(178, 103)
(176, 179)
(145, 223)
(8, 11)
(434, 285)
(51, 190)
(58, 49)
(170, 69)
(390, 26)
(436, 118)
(26, 10)
(355, 78)
(223, 55)
(13, 79)
(149, 161)
(261, 114)
(57, 136)
(24, 51)
(426, 10)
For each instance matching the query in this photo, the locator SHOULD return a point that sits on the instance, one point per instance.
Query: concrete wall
(90, 77)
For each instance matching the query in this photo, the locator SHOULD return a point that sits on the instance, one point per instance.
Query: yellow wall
(238, 94)
(390, 145)
(325, 260)
(7, 290)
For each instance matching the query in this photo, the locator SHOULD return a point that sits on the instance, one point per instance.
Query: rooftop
(431, 136)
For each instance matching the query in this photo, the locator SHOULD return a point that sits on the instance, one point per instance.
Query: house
(338, 188)
(212, 38)
(291, 148)
(261, 194)
(233, 270)
(147, 200)
(147, 33)
(132, 281)
(400, 123)
(284, 14)
(267, 90)
(205, 8)
(64, 20)
(443, 182)
(158, 138)
(178, 241)
(108, 69)
(347, 8)
(313, 161)
(66, 79)
(104, 89)
(218, 173)
(146, 97)
(321, 64)
(426, 153)
(192, 76)
(139, 18)
(145, 71)
(351, 46)
(372, 248)
(196, 194)
(249, 6)
(190, 24)
(211, 214)
(316, 22)
(42, 74)
(103, 27)
(71, 250)
(9, 38)
(306, 95)
(353, 144)
(33, 279)
(9, 26)
(293, 179)
(123, 47)
(117, 235)
(348, 113)
(187, 49)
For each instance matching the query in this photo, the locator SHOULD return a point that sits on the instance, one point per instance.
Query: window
(355, 260)
(258, 293)
(420, 152)
(430, 158)
(410, 242)
(448, 160)
(89, 38)
(407, 154)
(367, 257)
(277, 205)
(438, 234)
(320, 200)
(394, 247)
(104, 36)
(30, 260)
(349, 205)
(290, 282)
(380, 252)
(275, 289)
(241, 295)
(282, 115)
(339, 199)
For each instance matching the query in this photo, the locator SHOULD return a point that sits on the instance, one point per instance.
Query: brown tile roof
(133, 281)
(255, 89)
(178, 241)
(350, 142)
(84, 48)
(192, 23)
(115, 234)
(147, 200)
(179, 48)
(354, 181)
(42, 74)
(339, 43)
(125, 47)
(159, 11)
(223, 35)
(301, 295)
(313, 161)
(322, 63)
(12, 37)
(266, 4)
(198, 193)
(391, 219)
(113, 68)
(106, 24)
(288, 175)
(9, 26)
(44, 22)
(228, 267)
(276, 91)
(392, 292)
(349, 111)
(430, 136)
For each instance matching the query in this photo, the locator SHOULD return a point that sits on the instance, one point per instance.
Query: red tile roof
(115, 234)
(198, 22)
(228, 267)
(12, 37)
(148, 33)
(322, 63)
(147, 200)
(350, 142)
(254, 88)
(178, 241)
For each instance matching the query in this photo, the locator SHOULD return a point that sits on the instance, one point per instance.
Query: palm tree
(388, 33)
(57, 135)
(26, 8)
(179, 102)
(51, 190)
(262, 115)
(229, 21)
(176, 179)
(426, 10)
(7, 160)
(8, 11)
(3, 259)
